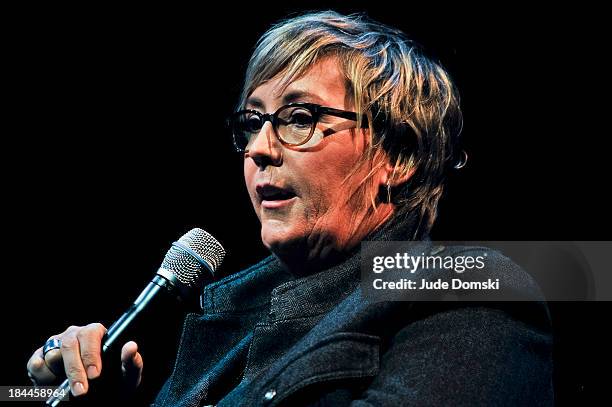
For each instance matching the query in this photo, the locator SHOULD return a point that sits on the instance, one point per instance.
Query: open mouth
(272, 196)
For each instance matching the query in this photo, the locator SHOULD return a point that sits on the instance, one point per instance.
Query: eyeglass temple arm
(343, 114)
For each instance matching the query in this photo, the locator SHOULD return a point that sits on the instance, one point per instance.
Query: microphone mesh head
(193, 257)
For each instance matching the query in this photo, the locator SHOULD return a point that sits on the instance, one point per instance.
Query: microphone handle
(116, 329)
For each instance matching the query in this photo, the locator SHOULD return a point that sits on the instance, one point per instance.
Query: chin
(277, 236)
(274, 233)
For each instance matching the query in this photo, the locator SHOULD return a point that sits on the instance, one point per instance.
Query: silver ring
(51, 344)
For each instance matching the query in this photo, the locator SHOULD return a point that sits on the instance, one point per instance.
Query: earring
(462, 161)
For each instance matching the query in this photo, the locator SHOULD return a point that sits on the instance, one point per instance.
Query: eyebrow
(291, 97)
(301, 95)
(254, 102)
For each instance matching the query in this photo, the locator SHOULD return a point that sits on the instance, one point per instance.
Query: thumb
(131, 365)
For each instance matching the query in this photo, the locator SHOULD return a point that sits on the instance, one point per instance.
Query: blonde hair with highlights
(410, 101)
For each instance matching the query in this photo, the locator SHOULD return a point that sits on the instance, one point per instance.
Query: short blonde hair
(410, 101)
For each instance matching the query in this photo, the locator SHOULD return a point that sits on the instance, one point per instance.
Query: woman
(347, 131)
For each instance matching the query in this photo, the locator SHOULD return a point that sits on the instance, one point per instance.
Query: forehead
(323, 83)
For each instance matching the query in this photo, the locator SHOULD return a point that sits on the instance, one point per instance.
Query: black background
(114, 145)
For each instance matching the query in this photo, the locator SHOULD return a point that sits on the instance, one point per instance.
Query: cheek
(250, 170)
(318, 182)
(327, 187)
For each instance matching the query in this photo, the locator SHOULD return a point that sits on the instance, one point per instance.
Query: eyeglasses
(294, 124)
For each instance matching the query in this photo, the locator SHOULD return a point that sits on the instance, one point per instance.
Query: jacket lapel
(214, 345)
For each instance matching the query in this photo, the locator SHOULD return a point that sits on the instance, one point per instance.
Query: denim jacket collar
(268, 285)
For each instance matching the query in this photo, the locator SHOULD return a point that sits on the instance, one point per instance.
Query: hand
(80, 358)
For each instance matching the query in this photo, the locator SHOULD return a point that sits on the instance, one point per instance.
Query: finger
(71, 354)
(90, 347)
(34, 383)
(38, 371)
(53, 360)
(131, 364)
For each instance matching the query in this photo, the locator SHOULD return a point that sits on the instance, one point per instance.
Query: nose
(265, 149)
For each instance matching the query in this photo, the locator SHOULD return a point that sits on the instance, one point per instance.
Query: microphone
(188, 266)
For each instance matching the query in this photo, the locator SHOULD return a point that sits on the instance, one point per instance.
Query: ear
(394, 176)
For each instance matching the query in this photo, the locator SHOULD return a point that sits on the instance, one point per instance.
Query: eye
(301, 119)
(250, 123)
(297, 118)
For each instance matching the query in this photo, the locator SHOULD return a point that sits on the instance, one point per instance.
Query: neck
(321, 251)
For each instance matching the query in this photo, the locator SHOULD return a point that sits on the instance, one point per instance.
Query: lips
(273, 196)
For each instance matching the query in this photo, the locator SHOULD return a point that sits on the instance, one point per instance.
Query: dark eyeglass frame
(316, 110)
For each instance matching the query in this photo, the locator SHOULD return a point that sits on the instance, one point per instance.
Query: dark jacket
(266, 337)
